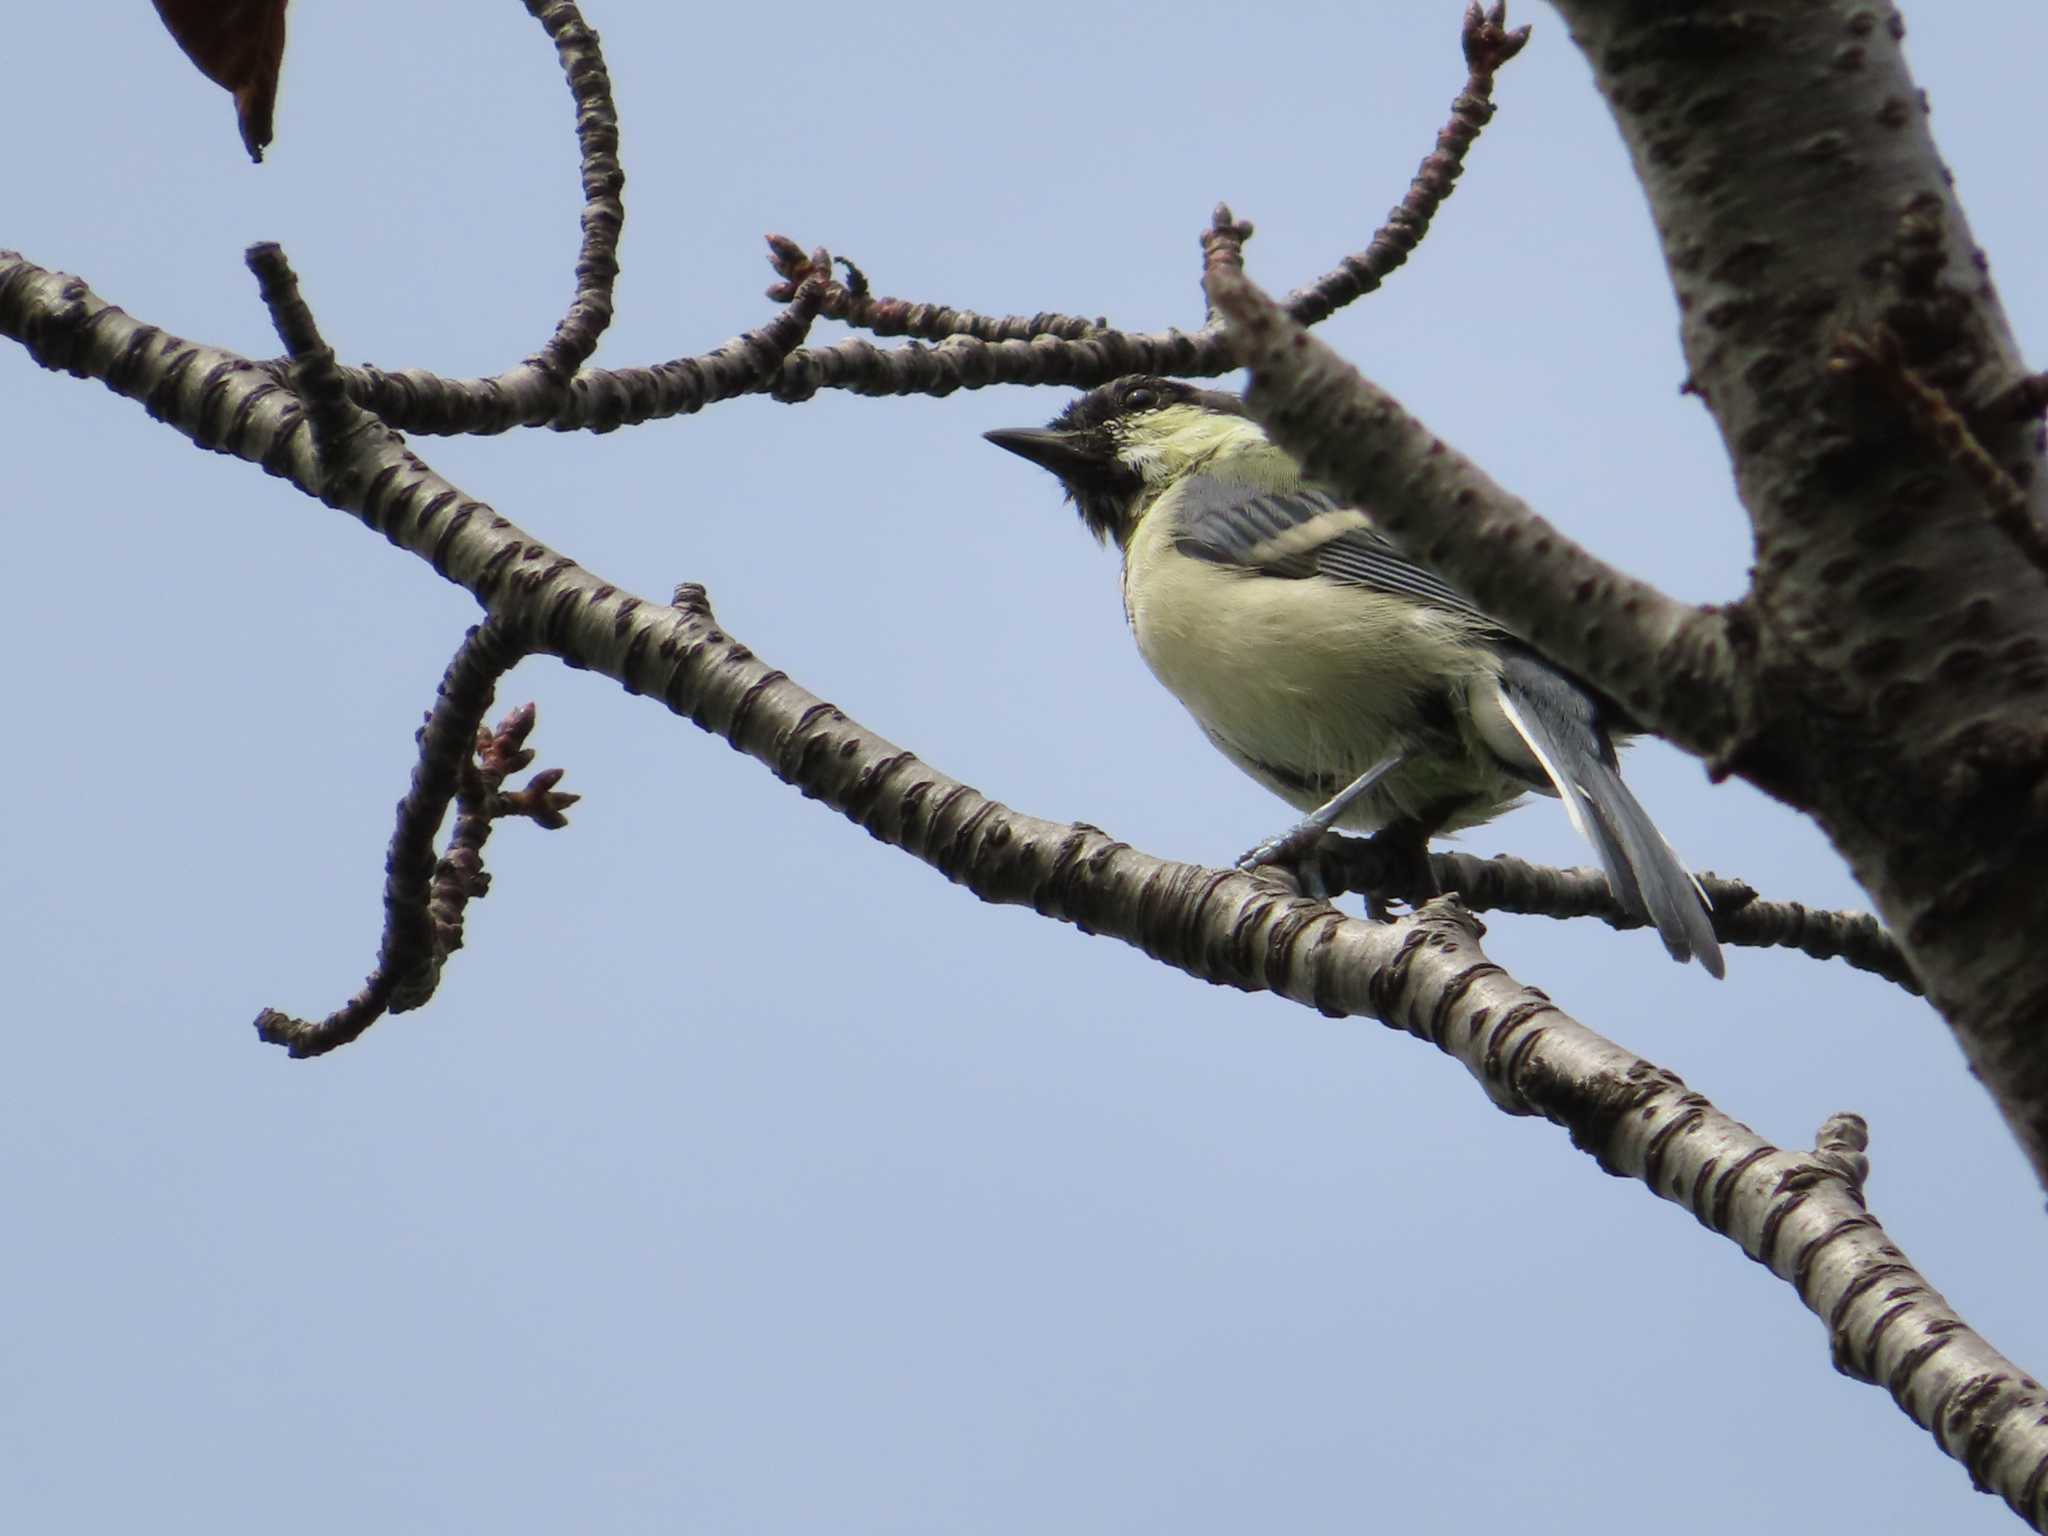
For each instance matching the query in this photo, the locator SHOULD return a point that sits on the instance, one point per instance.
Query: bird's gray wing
(1301, 533)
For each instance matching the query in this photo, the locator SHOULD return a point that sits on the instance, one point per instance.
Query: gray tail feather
(1556, 721)
(1642, 866)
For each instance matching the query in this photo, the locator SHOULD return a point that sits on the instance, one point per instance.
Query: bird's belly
(1305, 687)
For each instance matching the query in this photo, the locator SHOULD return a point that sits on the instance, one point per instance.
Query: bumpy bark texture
(1893, 655)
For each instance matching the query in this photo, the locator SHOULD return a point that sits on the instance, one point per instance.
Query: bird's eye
(1143, 398)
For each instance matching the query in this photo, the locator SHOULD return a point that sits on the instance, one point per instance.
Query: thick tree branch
(1894, 652)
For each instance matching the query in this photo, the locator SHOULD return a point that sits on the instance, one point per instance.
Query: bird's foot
(1297, 852)
(1298, 843)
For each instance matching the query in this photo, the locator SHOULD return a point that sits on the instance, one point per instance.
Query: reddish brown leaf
(237, 44)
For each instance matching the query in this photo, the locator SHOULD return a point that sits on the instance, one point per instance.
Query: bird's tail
(1556, 722)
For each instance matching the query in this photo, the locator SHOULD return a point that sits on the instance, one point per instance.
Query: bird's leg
(1293, 845)
(1402, 849)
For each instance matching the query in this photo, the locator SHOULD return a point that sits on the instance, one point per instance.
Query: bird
(1352, 682)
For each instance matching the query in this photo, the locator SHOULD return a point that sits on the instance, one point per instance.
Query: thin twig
(425, 897)
(969, 351)
(852, 303)
(1506, 884)
(424, 900)
(537, 391)
(604, 209)
(1488, 45)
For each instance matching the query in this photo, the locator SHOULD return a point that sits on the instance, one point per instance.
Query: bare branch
(424, 898)
(1488, 45)
(1799, 1214)
(852, 303)
(1506, 884)
(604, 211)
(597, 399)
(536, 391)
(974, 350)
(1393, 869)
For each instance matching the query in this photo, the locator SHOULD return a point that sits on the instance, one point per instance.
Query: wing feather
(1301, 533)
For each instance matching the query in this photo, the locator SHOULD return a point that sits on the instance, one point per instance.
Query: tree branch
(1506, 884)
(554, 390)
(852, 303)
(1799, 1214)
(1894, 652)
(604, 210)
(425, 897)
(1488, 45)
(536, 391)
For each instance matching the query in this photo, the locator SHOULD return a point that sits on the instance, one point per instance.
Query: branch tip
(1487, 42)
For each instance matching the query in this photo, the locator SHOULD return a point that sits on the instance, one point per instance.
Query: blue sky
(745, 1176)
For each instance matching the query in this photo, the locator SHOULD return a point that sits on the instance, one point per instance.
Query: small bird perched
(1356, 685)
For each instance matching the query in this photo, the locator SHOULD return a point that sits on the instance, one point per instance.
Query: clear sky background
(745, 1176)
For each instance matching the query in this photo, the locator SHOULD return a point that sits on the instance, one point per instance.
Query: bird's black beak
(1074, 456)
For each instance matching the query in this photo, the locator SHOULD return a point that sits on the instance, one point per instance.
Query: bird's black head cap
(1083, 444)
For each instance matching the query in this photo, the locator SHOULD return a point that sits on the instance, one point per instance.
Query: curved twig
(604, 182)
(424, 897)
(973, 350)
(536, 391)
(1488, 45)
(459, 760)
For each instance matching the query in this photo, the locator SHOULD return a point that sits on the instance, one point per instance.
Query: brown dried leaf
(237, 44)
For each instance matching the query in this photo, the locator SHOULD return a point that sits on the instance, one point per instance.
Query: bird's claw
(1295, 852)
